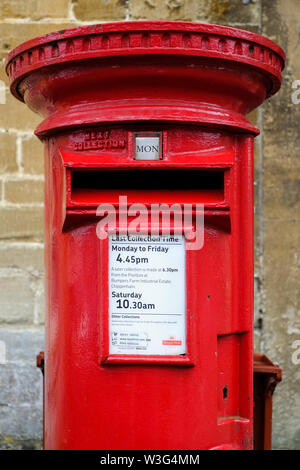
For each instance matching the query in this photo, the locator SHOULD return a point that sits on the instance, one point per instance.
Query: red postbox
(148, 343)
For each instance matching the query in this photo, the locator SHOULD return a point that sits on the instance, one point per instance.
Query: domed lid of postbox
(187, 43)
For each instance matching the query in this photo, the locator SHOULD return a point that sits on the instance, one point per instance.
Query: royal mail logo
(171, 342)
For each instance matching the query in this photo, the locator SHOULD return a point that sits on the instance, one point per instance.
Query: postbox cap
(147, 37)
(247, 70)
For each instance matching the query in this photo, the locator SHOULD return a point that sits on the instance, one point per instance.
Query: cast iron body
(95, 86)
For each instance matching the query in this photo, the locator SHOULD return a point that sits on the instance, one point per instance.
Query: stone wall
(277, 203)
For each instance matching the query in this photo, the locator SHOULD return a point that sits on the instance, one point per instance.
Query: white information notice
(147, 295)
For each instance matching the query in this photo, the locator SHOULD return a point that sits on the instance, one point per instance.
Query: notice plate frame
(109, 359)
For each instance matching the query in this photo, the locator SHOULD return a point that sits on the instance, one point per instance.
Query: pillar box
(148, 331)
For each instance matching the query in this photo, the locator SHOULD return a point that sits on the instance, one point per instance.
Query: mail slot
(159, 185)
(148, 230)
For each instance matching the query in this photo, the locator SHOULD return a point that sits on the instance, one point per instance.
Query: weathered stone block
(99, 10)
(180, 10)
(39, 303)
(213, 11)
(33, 156)
(281, 322)
(8, 162)
(21, 421)
(34, 9)
(20, 383)
(24, 190)
(281, 280)
(3, 76)
(22, 345)
(256, 341)
(16, 298)
(281, 191)
(234, 11)
(12, 443)
(21, 222)
(21, 391)
(14, 115)
(26, 256)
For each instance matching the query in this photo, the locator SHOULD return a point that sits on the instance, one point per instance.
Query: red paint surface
(194, 83)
